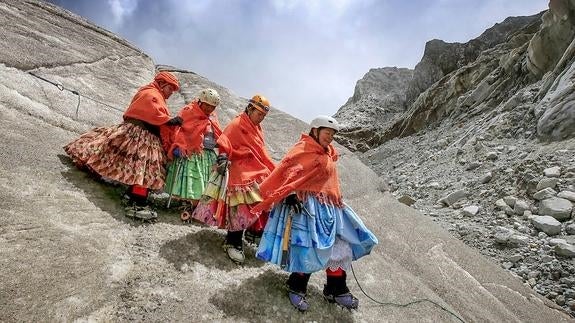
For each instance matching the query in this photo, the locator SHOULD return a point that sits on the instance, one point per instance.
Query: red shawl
(189, 138)
(307, 168)
(243, 142)
(149, 105)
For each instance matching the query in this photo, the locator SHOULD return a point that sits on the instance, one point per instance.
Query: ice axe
(222, 194)
(286, 241)
(179, 166)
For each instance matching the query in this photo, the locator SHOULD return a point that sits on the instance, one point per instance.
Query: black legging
(234, 238)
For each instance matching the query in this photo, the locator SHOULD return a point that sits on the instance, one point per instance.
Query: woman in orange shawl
(131, 152)
(310, 228)
(249, 163)
(192, 148)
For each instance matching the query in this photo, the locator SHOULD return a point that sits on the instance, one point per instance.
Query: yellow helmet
(259, 102)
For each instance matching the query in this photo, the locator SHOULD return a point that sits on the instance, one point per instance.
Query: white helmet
(325, 122)
(209, 96)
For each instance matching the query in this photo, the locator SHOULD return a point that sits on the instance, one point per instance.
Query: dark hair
(316, 138)
(313, 136)
(249, 108)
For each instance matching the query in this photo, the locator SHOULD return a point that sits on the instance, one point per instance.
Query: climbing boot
(234, 253)
(346, 300)
(298, 300)
(297, 289)
(143, 213)
(233, 246)
(336, 291)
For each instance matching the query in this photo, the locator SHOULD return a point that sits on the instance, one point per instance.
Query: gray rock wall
(441, 58)
(378, 97)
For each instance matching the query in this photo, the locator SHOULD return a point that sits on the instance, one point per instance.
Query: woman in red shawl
(131, 152)
(310, 228)
(192, 148)
(242, 150)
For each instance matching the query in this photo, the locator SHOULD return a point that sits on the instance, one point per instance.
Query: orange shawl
(307, 168)
(149, 105)
(243, 142)
(189, 138)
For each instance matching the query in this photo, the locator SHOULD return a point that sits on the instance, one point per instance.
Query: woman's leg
(297, 290)
(234, 246)
(138, 195)
(336, 290)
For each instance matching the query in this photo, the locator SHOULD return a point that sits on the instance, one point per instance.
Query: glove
(175, 121)
(222, 162)
(293, 202)
(222, 158)
(176, 152)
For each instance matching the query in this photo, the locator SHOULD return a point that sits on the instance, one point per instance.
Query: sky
(305, 56)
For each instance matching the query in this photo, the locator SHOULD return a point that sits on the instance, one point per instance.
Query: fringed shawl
(243, 142)
(307, 168)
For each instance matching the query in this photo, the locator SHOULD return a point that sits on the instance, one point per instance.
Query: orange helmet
(259, 102)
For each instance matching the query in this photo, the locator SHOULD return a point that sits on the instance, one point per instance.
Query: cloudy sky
(304, 55)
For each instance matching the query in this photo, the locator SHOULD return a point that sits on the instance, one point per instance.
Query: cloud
(122, 9)
(305, 55)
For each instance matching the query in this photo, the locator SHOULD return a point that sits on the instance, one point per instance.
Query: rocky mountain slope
(68, 253)
(439, 59)
(487, 149)
(377, 99)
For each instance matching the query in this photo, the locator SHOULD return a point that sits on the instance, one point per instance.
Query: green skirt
(188, 177)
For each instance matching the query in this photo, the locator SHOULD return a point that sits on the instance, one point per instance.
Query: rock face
(441, 58)
(474, 89)
(552, 50)
(556, 33)
(450, 76)
(500, 126)
(378, 97)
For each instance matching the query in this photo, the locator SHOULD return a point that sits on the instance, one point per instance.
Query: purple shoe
(298, 300)
(346, 300)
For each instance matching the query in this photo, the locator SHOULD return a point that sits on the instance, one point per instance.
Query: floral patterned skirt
(235, 208)
(125, 153)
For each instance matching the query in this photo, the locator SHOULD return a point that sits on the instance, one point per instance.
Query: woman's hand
(175, 121)
(222, 163)
(293, 202)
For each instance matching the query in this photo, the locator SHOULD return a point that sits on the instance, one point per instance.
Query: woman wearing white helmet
(192, 149)
(309, 227)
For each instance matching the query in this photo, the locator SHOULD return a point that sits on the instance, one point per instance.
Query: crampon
(142, 213)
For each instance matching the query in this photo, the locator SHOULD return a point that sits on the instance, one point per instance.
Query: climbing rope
(62, 88)
(404, 305)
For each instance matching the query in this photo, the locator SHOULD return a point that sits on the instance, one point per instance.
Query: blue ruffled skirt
(314, 233)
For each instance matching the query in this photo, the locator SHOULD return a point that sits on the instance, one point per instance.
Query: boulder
(552, 171)
(544, 194)
(568, 195)
(547, 183)
(565, 250)
(547, 224)
(471, 210)
(453, 197)
(556, 207)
